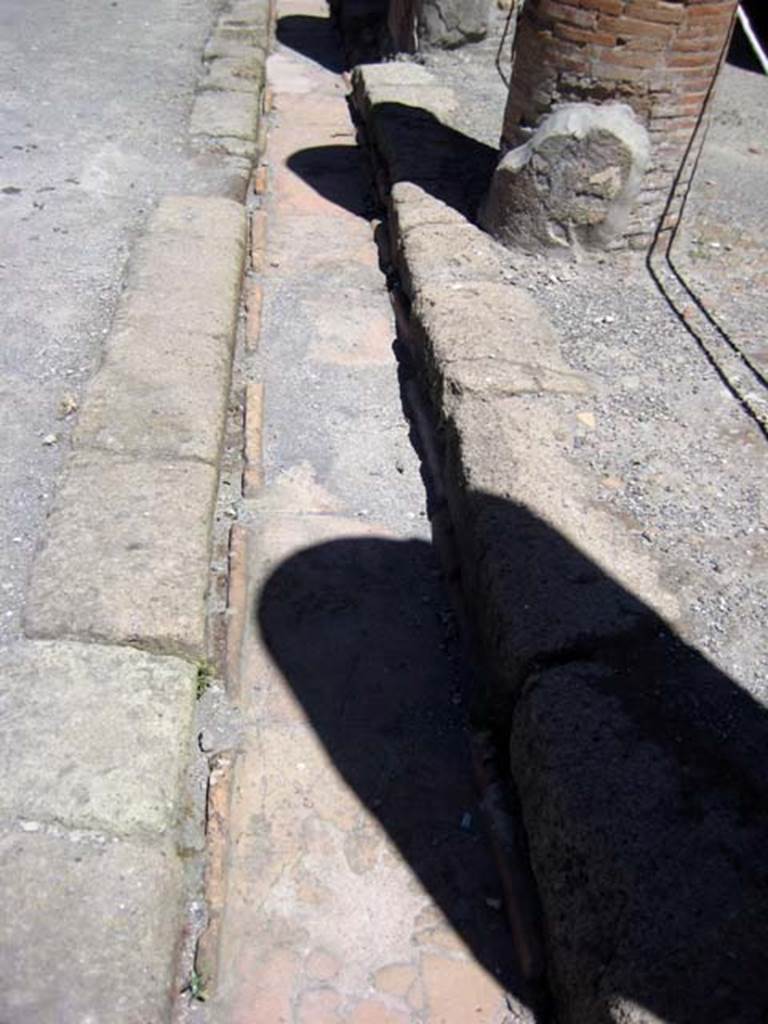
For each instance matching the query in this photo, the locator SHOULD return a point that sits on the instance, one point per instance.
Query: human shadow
(446, 163)
(363, 27)
(641, 767)
(363, 633)
(312, 37)
(336, 173)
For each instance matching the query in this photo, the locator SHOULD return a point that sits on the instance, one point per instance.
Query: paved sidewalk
(101, 831)
(360, 887)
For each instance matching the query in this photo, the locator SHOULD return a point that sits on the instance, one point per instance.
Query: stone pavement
(360, 886)
(99, 825)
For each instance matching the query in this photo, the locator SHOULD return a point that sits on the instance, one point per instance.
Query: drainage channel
(363, 858)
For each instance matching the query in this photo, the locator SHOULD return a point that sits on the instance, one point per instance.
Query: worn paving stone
(94, 737)
(88, 930)
(230, 75)
(230, 114)
(162, 388)
(126, 555)
(348, 861)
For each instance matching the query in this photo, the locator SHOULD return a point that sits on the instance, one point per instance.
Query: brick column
(657, 56)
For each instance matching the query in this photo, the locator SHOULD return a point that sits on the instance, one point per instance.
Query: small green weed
(195, 987)
(205, 674)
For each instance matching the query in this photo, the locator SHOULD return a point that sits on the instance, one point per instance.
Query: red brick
(607, 6)
(569, 15)
(260, 180)
(258, 239)
(252, 473)
(646, 10)
(621, 58)
(580, 35)
(628, 28)
(690, 60)
(253, 299)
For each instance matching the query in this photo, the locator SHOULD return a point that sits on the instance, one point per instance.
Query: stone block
(412, 206)
(162, 388)
(542, 557)
(491, 339)
(410, 124)
(447, 252)
(126, 555)
(88, 930)
(647, 831)
(231, 75)
(574, 183)
(229, 114)
(94, 737)
(247, 45)
(451, 23)
(421, 24)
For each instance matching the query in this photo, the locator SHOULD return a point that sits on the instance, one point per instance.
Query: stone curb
(118, 597)
(550, 576)
(226, 116)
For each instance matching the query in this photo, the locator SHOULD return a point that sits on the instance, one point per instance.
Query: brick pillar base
(659, 57)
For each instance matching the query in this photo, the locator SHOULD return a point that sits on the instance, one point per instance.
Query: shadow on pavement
(446, 163)
(312, 37)
(334, 172)
(642, 768)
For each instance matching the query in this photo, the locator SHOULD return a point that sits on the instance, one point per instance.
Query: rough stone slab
(410, 124)
(255, 13)
(648, 831)
(126, 555)
(549, 570)
(447, 253)
(242, 149)
(411, 206)
(450, 23)
(94, 737)
(229, 114)
(88, 930)
(486, 338)
(162, 388)
(398, 82)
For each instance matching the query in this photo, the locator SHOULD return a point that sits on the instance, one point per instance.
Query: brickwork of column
(658, 56)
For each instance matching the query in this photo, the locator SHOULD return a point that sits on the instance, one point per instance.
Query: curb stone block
(603, 789)
(101, 943)
(448, 253)
(126, 555)
(229, 75)
(113, 756)
(230, 114)
(489, 338)
(227, 45)
(533, 538)
(162, 389)
(636, 911)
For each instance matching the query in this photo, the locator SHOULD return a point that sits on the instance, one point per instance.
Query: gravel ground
(94, 103)
(674, 452)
